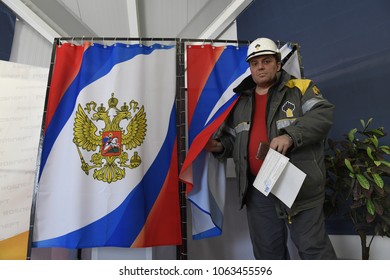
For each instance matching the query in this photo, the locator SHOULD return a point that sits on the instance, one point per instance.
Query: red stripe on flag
(163, 223)
(200, 61)
(66, 68)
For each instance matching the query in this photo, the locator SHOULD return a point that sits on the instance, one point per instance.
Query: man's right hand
(214, 146)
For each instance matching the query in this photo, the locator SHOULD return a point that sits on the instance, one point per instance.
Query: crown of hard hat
(262, 46)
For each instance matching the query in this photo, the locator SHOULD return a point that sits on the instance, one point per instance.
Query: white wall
(234, 243)
(348, 247)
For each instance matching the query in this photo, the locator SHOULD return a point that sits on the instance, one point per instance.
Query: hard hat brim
(254, 54)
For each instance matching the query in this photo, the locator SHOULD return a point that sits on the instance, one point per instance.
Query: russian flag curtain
(212, 73)
(109, 172)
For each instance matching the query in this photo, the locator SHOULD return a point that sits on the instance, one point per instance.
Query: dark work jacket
(296, 107)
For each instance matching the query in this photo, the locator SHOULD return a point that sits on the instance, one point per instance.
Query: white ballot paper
(279, 176)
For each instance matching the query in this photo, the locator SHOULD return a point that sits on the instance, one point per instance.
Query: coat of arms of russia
(121, 130)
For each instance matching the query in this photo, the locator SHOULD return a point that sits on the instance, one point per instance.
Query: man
(292, 117)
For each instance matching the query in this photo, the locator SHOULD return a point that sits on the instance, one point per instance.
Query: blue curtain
(7, 30)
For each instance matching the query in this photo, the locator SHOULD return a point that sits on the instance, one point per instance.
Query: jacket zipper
(289, 219)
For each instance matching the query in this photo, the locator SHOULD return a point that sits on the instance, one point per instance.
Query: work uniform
(297, 108)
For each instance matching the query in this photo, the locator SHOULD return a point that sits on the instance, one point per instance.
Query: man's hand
(281, 143)
(214, 146)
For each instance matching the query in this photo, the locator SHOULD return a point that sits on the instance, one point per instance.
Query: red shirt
(258, 132)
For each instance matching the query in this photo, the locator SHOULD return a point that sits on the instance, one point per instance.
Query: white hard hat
(262, 46)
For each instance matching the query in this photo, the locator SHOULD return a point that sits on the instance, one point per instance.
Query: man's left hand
(281, 143)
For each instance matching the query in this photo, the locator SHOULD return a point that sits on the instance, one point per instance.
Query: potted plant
(358, 173)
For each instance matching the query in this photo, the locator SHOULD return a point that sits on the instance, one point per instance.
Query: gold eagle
(87, 136)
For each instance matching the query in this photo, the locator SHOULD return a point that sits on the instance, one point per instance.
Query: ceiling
(129, 18)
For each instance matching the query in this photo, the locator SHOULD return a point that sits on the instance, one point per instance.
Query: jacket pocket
(314, 182)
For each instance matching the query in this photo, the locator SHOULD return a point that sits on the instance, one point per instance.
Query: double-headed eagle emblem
(112, 141)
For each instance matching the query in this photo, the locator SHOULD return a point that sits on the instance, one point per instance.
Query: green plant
(358, 173)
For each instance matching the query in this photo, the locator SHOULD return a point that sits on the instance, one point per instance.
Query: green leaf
(363, 123)
(348, 165)
(378, 180)
(378, 132)
(377, 162)
(363, 181)
(351, 134)
(385, 149)
(385, 163)
(370, 207)
(375, 141)
(369, 153)
(368, 122)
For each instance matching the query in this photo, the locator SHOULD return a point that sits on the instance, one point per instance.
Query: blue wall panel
(7, 30)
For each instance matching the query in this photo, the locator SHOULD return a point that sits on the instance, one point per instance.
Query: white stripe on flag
(227, 95)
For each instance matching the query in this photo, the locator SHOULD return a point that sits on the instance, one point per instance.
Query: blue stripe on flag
(207, 234)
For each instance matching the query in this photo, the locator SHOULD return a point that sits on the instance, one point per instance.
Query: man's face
(263, 69)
